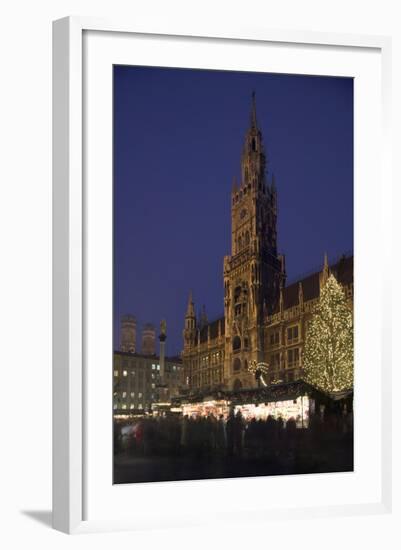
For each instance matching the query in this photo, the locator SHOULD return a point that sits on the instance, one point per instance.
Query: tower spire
(190, 307)
(234, 186)
(253, 111)
(326, 266)
(281, 301)
(325, 272)
(189, 332)
(300, 294)
(203, 317)
(253, 162)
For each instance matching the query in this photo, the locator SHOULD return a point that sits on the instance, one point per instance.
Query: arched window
(236, 343)
(239, 243)
(237, 365)
(247, 238)
(237, 294)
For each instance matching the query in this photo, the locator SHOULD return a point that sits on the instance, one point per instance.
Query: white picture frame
(70, 259)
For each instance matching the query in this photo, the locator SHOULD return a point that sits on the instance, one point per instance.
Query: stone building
(264, 320)
(137, 382)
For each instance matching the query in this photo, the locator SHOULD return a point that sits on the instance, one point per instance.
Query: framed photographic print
(219, 206)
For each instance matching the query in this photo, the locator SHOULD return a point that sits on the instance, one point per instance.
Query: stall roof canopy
(268, 394)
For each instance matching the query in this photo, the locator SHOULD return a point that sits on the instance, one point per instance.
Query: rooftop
(343, 270)
(173, 359)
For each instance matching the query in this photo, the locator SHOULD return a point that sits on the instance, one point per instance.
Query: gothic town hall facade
(264, 320)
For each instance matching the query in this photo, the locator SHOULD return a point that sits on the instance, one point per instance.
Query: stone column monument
(162, 339)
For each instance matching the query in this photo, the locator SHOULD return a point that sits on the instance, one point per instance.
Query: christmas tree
(329, 342)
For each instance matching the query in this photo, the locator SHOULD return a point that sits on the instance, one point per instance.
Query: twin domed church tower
(217, 354)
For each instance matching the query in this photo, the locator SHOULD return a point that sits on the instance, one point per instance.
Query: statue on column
(163, 327)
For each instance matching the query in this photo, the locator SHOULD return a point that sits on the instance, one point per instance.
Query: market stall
(297, 400)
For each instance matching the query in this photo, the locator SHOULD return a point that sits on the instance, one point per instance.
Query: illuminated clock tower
(254, 272)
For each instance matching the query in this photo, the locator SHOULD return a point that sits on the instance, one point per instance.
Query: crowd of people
(232, 436)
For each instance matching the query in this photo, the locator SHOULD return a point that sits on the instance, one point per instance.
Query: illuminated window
(139, 395)
(293, 357)
(153, 375)
(132, 373)
(125, 373)
(132, 406)
(153, 367)
(237, 365)
(275, 360)
(116, 373)
(153, 385)
(174, 367)
(115, 406)
(275, 338)
(236, 343)
(158, 367)
(123, 406)
(140, 406)
(292, 333)
(124, 394)
(132, 394)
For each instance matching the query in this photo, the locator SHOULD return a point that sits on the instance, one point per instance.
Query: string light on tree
(329, 343)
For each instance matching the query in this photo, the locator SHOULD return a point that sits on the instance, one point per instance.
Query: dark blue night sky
(178, 136)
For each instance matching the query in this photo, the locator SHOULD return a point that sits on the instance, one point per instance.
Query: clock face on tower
(243, 213)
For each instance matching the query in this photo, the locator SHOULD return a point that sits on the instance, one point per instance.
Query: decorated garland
(258, 370)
